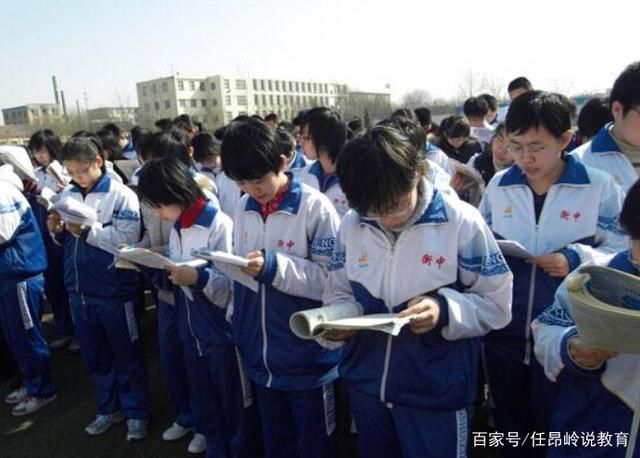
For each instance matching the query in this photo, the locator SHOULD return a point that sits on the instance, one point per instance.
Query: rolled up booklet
(606, 308)
(75, 212)
(345, 316)
(19, 159)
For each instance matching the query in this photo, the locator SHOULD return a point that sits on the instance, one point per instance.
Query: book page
(75, 212)
(221, 256)
(305, 323)
(513, 248)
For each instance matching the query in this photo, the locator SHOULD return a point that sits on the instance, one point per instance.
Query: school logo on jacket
(432, 260)
(566, 215)
(286, 245)
(508, 212)
(362, 261)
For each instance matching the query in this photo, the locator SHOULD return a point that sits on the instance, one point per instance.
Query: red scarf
(274, 204)
(190, 215)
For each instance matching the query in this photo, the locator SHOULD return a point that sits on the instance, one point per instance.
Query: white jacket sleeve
(12, 206)
(124, 228)
(306, 277)
(609, 238)
(218, 286)
(484, 304)
(550, 330)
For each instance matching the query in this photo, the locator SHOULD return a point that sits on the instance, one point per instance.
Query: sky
(102, 49)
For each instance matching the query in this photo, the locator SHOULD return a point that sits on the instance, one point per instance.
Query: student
(22, 262)
(518, 86)
(616, 147)
(492, 109)
(475, 110)
(597, 388)
(185, 123)
(355, 128)
(102, 298)
(111, 153)
(286, 230)
(594, 115)
(323, 136)
(206, 154)
(104, 152)
(432, 152)
(456, 141)
(561, 212)
(125, 145)
(46, 147)
(286, 144)
(408, 248)
(297, 127)
(204, 333)
(495, 158)
(271, 120)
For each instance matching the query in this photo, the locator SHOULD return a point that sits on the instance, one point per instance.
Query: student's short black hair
(205, 146)
(144, 144)
(110, 144)
(172, 143)
(519, 83)
(285, 142)
(630, 214)
(455, 127)
(377, 169)
(355, 124)
(249, 150)
(137, 134)
(257, 116)
(404, 113)
(184, 121)
(328, 132)
(409, 128)
(219, 132)
(593, 116)
(271, 117)
(286, 125)
(299, 119)
(46, 139)
(626, 88)
(492, 102)
(113, 128)
(535, 109)
(164, 124)
(423, 114)
(168, 181)
(475, 107)
(83, 148)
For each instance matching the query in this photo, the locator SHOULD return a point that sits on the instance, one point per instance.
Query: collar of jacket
(574, 174)
(290, 203)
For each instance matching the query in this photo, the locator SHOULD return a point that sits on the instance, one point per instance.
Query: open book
(75, 212)
(313, 323)
(513, 248)
(19, 159)
(220, 256)
(153, 260)
(229, 264)
(606, 307)
(47, 198)
(7, 174)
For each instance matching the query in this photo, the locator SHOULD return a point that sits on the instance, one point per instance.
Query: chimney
(64, 105)
(55, 90)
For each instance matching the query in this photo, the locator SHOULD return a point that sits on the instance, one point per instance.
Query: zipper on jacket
(75, 264)
(263, 308)
(633, 434)
(387, 355)
(186, 304)
(532, 293)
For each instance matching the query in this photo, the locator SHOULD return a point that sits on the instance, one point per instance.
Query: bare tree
(416, 98)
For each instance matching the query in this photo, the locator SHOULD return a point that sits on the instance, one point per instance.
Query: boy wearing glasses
(562, 213)
(616, 147)
(408, 248)
(101, 297)
(597, 389)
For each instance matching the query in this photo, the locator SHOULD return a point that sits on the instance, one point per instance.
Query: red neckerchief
(190, 215)
(274, 204)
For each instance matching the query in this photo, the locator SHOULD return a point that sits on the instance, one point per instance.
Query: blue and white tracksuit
(435, 154)
(22, 261)
(228, 193)
(103, 298)
(603, 153)
(599, 401)
(294, 378)
(578, 219)
(55, 291)
(312, 175)
(410, 393)
(299, 160)
(221, 396)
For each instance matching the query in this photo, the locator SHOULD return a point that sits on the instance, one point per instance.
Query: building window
(156, 106)
(242, 100)
(167, 104)
(194, 103)
(271, 100)
(192, 85)
(270, 85)
(241, 85)
(277, 85)
(264, 99)
(226, 84)
(278, 99)
(182, 103)
(227, 100)
(203, 103)
(213, 86)
(255, 99)
(262, 85)
(297, 87)
(255, 85)
(165, 86)
(144, 91)
(180, 85)
(228, 115)
(214, 102)
(146, 107)
(153, 88)
(202, 88)
(242, 113)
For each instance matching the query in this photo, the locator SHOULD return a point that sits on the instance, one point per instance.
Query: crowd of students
(327, 212)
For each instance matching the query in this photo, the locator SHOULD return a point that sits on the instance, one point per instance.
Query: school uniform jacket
(22, 253)
(448, 254)
(604, 399)
(603, 153)
(312, 176)
(89, 258)
(229, 193)
(579, 219)
(435, 154)
(202, 321)
(297, 241)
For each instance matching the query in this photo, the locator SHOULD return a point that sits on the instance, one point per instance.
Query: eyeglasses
(406, 210)
(80, 174)
(520, 150)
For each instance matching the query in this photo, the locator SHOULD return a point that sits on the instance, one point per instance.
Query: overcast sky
(104, 48)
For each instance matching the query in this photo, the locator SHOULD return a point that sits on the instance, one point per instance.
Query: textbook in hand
(75, 212)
